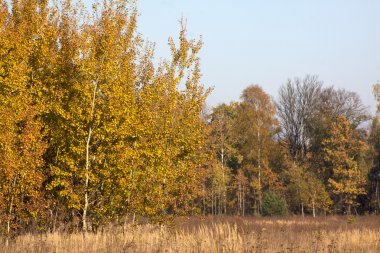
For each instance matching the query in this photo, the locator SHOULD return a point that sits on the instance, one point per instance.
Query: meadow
(221, 234)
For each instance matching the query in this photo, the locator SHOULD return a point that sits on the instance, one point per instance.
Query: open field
(232, 234)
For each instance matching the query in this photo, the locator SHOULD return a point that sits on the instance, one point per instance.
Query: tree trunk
(204, 199)
(239, 202)
(10, 210)
(243, 202)
(259, 165)
(377, 197)
(87, 169)
(85, 208)
(212, 200)
(224, 180)
(219, 204)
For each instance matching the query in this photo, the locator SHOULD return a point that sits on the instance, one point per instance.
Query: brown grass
(232, 234)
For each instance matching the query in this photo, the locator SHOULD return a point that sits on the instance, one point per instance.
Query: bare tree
(340, 102)
(297, 103)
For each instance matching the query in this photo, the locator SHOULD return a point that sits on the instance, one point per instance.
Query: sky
(266, 42)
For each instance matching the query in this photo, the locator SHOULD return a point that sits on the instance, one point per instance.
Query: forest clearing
(219, 234)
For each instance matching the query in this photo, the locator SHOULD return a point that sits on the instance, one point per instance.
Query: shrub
(274, 204)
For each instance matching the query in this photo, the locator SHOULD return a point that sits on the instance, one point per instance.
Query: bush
(274, 204)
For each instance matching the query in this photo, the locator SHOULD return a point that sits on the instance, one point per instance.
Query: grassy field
(229, 234)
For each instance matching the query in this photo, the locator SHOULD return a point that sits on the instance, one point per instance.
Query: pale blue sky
(266, 42)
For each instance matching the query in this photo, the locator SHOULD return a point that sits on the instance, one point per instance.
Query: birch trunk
(87, 169)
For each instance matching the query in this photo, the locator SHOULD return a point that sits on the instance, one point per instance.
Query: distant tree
(219, 183)
(222, 139)
(306, 191)
(296, 104)
(317, 195)
(256, 125)
(332, 104)
(222, 142)
(274, 204)
(342, 151)
(374, 173)
(374, 143)
(340, 102)
(376, 92)
(240, 186)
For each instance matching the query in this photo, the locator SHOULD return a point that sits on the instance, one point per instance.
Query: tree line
(94, 130)
(312, 151)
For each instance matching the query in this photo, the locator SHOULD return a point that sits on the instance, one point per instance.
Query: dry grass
(333, 234)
